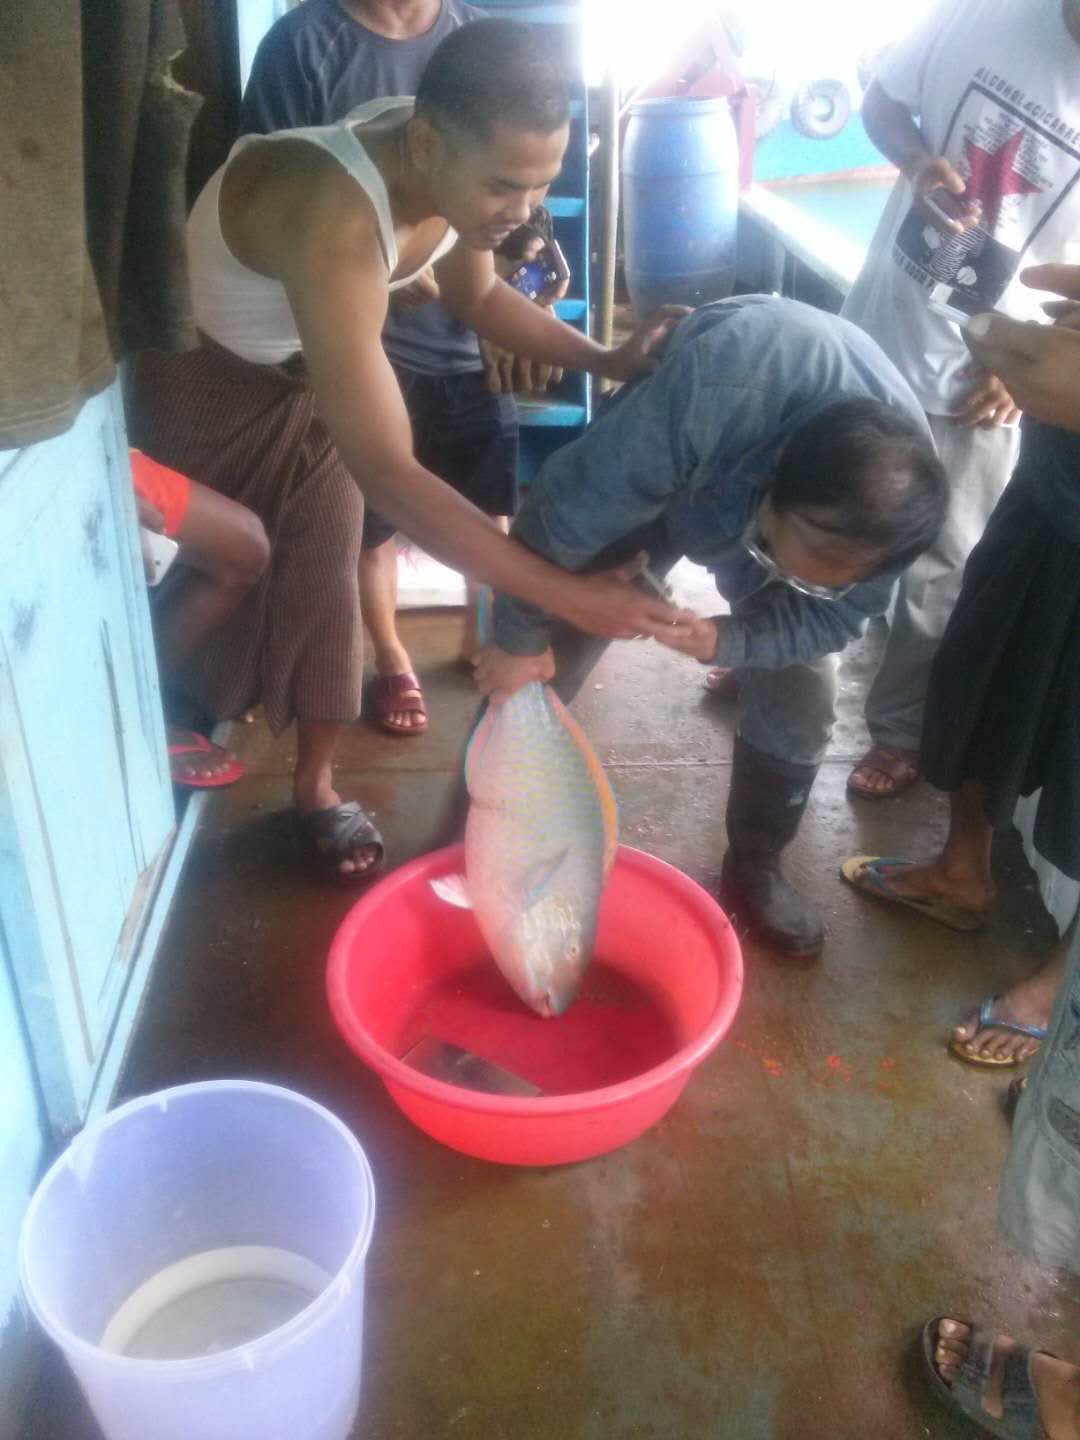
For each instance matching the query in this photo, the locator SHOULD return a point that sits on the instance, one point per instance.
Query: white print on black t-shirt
(1019, 161)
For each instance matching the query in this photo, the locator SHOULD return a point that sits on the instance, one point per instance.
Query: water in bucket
(212, 1302)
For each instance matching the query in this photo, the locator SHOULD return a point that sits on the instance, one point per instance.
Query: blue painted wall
(22, 1150)
(784, 154)
(86, 808)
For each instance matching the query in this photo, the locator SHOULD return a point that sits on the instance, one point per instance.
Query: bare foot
(318, 793)
(194, 766)
(1028, 1003)
(1056, 1384)
(933, 880)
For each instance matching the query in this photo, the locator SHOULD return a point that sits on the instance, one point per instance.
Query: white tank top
(249, 313)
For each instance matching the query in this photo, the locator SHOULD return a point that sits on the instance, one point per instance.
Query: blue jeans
(1039, 1195)
(786, 713)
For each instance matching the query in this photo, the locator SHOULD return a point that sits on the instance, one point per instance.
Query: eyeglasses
(756, 546)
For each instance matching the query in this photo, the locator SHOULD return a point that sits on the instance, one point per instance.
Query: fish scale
(539, 841)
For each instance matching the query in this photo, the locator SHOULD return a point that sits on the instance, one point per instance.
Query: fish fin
(609, 808)
(538, 876)
(453, 890)
(477, 743)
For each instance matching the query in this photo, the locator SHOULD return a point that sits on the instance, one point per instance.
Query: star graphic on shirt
(992, 176)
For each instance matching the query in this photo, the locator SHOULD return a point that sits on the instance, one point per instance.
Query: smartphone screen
(538, 278)
(534, 279)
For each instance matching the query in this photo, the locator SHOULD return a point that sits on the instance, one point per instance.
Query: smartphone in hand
(541, 277)
(159, 552)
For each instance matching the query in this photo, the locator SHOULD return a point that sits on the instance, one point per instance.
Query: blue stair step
(550, 412)
(572, 311)
(565, 207)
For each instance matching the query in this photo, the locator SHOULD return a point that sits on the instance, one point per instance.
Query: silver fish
(539, 843)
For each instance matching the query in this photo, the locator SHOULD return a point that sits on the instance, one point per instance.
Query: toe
(967, 1029)
(955, 1330)
(990, 1043)
(1001, 1045)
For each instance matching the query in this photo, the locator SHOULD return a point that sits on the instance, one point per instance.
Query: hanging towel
(54, 346)
(93, 152)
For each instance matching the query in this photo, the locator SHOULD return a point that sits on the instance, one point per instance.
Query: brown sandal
(722, 683)
(899, 766)
(396, 694)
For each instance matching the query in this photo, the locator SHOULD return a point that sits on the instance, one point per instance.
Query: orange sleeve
(167, 490)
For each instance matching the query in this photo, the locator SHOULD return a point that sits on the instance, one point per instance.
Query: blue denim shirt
(689, 450)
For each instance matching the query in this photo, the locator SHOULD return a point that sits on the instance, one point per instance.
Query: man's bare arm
(337, 286)
(474, 294)
(892, 128)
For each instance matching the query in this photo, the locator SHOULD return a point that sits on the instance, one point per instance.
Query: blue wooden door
(86, 807)
(22, 1148)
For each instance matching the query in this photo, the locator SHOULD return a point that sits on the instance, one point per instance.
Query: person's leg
(1054, 1384)
(469, 437)
(224, 548)
(979, 464)
(1028, 1003)
(226, 545)
(961, 873)
(308, 647)
(784, 727)
(314, 791)
(378, 603)
(1039, 1193)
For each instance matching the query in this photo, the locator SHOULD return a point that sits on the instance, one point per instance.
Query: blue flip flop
(865, 873)
(987, 1021)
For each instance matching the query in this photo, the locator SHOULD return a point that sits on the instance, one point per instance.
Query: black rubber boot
(765, 805)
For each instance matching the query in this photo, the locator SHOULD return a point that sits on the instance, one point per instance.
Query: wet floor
(755, 1268)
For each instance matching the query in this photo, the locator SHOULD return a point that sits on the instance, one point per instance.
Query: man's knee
(248, 554)
(576, 656)
(223, 539)
(789, 713)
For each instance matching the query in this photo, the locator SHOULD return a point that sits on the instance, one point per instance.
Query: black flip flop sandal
(966, 1394)
(336, 833)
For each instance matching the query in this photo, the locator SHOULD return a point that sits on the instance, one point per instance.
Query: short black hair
(492, 71)
(870, 474)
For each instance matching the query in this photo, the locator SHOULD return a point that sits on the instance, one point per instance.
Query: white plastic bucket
(198, 1256)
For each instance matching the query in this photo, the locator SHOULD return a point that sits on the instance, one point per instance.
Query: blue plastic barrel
(680, 171)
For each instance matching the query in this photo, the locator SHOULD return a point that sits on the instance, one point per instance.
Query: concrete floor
(757, 1267)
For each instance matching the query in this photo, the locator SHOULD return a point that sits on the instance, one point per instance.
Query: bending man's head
(491, 125)
(858, 491)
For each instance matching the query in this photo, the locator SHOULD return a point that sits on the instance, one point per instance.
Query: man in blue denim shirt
(778, 446)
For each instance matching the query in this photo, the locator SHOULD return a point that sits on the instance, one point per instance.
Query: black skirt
(1003, 706)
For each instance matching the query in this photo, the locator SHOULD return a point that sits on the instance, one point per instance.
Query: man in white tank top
(313, 67)
(308, 232)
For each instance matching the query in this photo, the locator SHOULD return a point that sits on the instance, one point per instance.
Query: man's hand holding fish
(499, 674)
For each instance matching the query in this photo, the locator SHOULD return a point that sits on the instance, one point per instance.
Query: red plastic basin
(660, 994)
